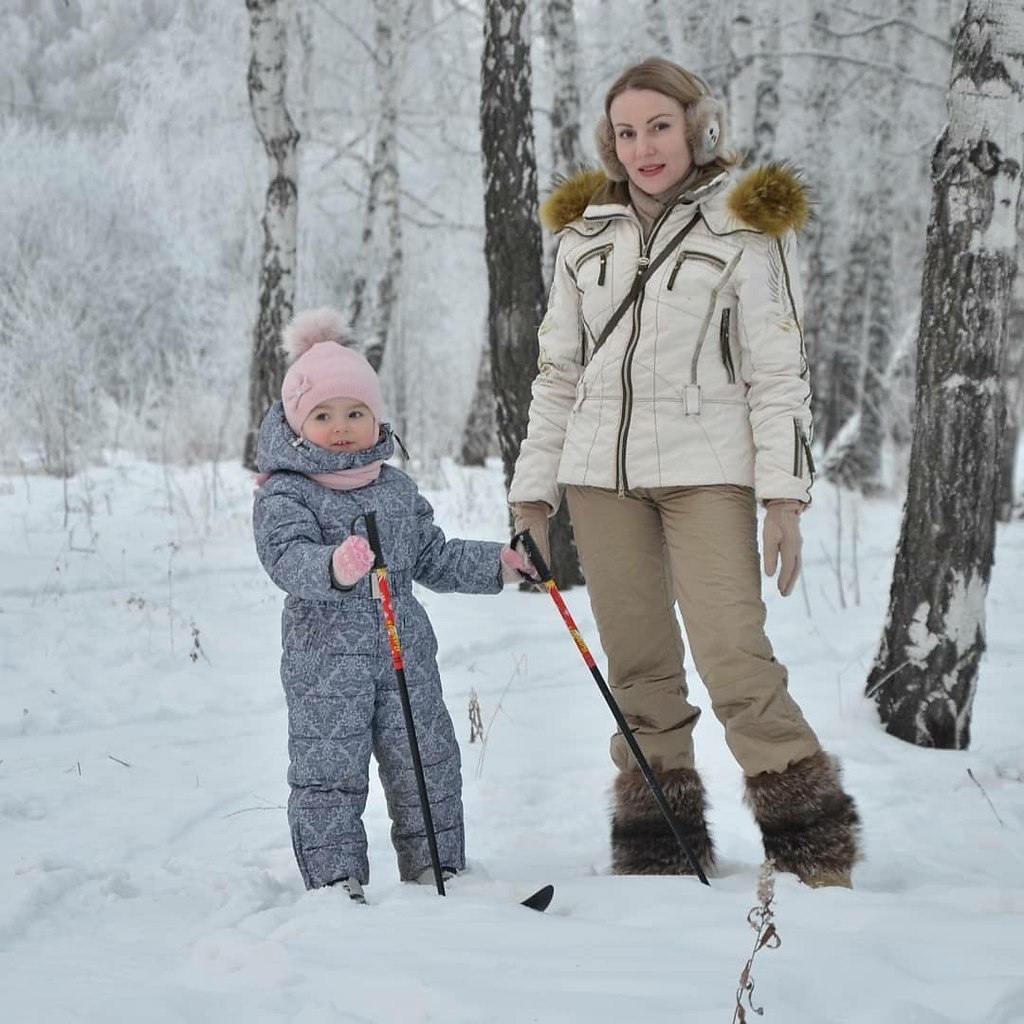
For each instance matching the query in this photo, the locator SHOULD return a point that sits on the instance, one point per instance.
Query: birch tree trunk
(267, 81)
(1014, 384)
(743, 79)
(768, 93)
(372, 319)
(822, 288)
(478, 435)
(925, 675)
(839, 408)
(567, 155)
(864, 465)
(512, 242)
(563, 44)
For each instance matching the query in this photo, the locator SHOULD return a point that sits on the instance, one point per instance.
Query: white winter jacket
(704, 380)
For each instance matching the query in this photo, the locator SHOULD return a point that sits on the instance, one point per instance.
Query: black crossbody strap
(642, 274)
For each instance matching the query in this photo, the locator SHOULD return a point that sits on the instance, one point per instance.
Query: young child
(322, 454)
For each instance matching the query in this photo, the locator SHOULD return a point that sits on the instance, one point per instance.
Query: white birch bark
(924, 678)
(743, 80)
(822, 289)
(768, 92)
(376, 287)
(562, 44)
(267, 83)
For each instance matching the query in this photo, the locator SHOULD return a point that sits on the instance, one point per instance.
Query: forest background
(130, 235)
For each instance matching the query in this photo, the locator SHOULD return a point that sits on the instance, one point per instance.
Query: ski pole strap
(534, 555)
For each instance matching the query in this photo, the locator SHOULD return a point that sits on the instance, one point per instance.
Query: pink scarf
(341, 479)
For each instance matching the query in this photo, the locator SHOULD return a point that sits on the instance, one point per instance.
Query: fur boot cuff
(643, 843)
(809, 825)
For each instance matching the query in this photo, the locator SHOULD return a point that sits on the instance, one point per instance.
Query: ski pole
(547, 581)
(396, 659)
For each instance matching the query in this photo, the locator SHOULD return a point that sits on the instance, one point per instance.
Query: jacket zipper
(723, 341)
(621, 480)
(689, 255)
(603, 252)
(722, 281)
(801, 451)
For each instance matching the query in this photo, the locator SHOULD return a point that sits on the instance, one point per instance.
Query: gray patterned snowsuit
(336, 668)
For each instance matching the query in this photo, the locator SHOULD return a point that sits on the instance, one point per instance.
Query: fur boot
(642, 841)
(809, 825)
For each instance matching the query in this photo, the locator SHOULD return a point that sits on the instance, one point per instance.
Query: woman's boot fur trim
(809, 825)
(643, 843)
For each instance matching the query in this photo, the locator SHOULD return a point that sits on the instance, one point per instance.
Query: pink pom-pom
(311, 327)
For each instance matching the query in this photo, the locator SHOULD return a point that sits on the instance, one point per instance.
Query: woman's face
(650, 139)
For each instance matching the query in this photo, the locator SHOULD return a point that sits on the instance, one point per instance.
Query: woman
(672, 396)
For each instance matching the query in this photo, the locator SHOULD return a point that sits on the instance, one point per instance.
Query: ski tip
(541, 899)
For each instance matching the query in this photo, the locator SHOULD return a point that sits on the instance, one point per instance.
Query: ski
(540, 900)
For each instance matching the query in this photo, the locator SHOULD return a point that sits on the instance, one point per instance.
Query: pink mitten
(351, 561)
(512, 564)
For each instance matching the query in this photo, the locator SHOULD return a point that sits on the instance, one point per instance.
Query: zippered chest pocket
(692, 266)
(592, 268)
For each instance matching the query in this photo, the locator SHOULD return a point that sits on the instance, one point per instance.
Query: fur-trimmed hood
(771, 199)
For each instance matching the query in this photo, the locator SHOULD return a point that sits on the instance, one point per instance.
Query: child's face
(341, 425)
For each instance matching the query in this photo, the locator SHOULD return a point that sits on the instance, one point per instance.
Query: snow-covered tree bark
(755, 85)
(768, 103)
(562, 44)
(925, 675)
(267, 83)
(381, 244)
(1014, 386)
(656, 20)
(839, 393)
(478, 438)
(863, 467)
(512, 242)
(743, 77)
(822, 287)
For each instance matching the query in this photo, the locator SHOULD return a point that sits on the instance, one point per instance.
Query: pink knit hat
(324, 367)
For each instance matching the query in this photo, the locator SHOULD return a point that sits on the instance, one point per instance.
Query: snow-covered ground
(146, 874)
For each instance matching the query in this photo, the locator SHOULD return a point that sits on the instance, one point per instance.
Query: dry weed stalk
(476, 722)
(762, 919)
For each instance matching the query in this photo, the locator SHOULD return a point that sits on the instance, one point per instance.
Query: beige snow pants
(697, 546)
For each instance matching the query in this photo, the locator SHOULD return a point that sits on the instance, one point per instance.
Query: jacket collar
(771, 199)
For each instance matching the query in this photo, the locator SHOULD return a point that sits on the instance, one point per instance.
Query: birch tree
(562, 45)
(375, 289)
(743, 77)
(866, 339)
(1014, 384)
(822, 287)
(512, 242)
(925, 674)
(267, 82)
(768, 91)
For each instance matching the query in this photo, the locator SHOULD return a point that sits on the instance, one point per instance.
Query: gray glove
(781, 537)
